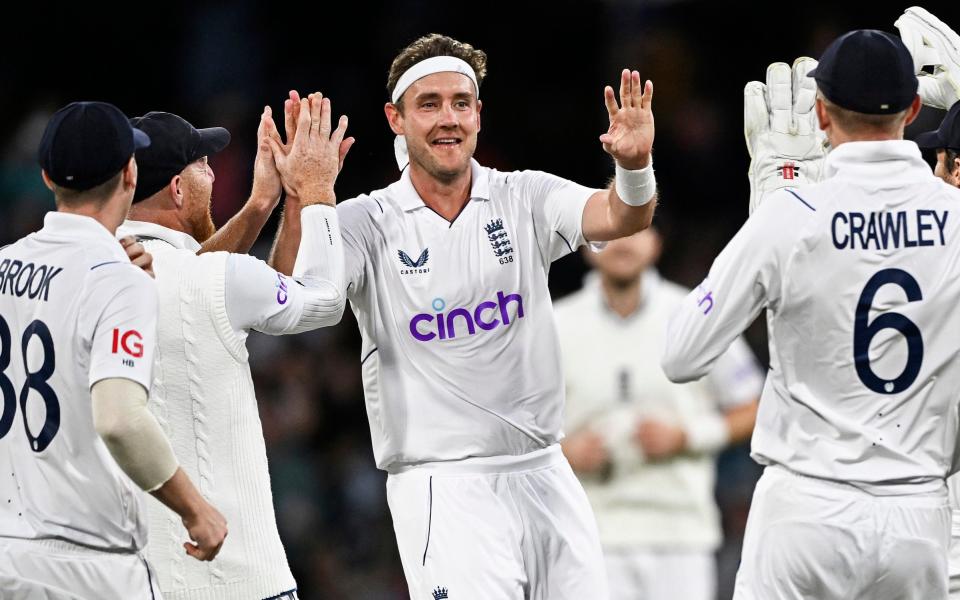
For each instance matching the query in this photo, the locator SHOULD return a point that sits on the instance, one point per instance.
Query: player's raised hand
(784, 139)
(932, 43)
(137, 254)
(310, 162)
(207, 529)
(266, 178)
(629, 140)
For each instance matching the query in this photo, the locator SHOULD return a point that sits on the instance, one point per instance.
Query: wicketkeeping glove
(932, 43)
(785, 142)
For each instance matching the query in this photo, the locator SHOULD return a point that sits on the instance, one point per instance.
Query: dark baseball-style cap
(867, 71)
(175, 143)
(947, 135)
(87, 143)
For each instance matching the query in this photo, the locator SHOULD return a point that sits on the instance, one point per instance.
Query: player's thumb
(193, 550)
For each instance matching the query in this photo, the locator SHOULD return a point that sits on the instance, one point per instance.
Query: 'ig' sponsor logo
(129, 342)
(443, 325)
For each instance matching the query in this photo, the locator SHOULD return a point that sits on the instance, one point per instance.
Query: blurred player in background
(860, 275)
(933, 44)
(77, 337)
(644, 448)
(203, 393)
(446, 271)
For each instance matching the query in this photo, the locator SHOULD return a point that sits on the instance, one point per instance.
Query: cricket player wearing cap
(203, 393)
(77, 337)
(446, 271)
(860, 275)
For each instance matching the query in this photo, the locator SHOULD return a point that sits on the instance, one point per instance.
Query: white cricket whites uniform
(203, 396)
(858, 419)
(953, 485)
(461, 373)
(73, 311)
(658, 520)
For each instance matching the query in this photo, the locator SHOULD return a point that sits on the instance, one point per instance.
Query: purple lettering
(478, 315)
(503, 300)
(459, 312)
(415, 332)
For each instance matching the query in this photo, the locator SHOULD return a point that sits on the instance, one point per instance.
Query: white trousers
(814, 539)
(660, 574)
(955, 557)
(497, 528)
(55, 570)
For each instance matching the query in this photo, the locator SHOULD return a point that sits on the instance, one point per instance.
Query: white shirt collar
(144, 229)
(408, 199)
(71, 225)
(877, 162)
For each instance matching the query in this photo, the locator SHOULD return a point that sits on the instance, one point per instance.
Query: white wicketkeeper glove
(785, 142)
(932, 43)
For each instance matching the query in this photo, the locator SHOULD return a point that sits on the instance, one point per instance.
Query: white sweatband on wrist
(707, 434)
(635, 188)
(131, 432)
(429, 66)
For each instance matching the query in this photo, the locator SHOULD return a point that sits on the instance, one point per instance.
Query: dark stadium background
(218, 63)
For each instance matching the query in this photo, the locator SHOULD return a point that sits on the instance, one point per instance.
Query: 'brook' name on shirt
(26, 279)
(885, 230)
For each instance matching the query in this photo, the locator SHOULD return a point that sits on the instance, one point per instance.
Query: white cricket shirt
(73, 311)
(614, 381)
(460, 354)
(861, 277)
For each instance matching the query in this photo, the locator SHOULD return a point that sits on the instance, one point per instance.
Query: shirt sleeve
(260, 298)
(125, 335)
(736, 379)
(744, 279)
(557, 207)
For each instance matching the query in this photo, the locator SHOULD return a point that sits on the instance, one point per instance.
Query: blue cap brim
(140, 139)
(930, 140)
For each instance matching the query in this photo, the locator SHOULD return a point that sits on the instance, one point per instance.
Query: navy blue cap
(175, 143)
(87, 143)
(867, 71)
(947, 135)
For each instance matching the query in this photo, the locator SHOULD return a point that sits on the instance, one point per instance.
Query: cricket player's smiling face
(440, 121)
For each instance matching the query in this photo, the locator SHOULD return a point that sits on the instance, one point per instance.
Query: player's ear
(175, 188)
(823, 119)
(479, 107)
(46, 180)
(394, 117)
(913, 111)
(130, 174)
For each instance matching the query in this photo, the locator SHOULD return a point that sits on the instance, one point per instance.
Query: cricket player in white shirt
(644, 447)
(857, 424)
(935, 46)
(203, 392)
(77, 337)
(446, 272)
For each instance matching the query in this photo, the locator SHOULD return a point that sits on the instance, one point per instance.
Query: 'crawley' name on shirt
(26, 279)
(885, 230)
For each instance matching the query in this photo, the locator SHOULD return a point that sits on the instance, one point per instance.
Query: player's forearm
(180, 495)
(624, 208)
(625, 220)
(740, 422)
(131, 433)
(286, 243)
(242, 230)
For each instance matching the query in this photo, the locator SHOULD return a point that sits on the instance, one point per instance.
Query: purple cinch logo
(426, 327)
(281, 289)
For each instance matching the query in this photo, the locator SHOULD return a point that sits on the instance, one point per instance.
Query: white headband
(429, 66)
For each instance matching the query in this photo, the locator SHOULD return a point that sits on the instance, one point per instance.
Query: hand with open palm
(629, 140)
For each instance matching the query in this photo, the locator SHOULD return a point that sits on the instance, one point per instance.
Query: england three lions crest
(499, 241)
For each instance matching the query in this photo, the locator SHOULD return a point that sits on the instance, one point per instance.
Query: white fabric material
(613, 380)
(260, 298)
(131, 432)
(100, 312)
(953, 488)
(486, 382)
(802, 257)
(203, 397)
(636, 187)
(809, 538)
(661, 574)
(511, 528)
(932, 42)
(57, 570)
(428, 66)
(784, 139)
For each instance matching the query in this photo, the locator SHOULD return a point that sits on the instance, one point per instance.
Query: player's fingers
(337, 136)
(610, 101)
(290, 119)
(646, 100)
(636, 89)
(756, 117)
(325, 110)
(779, 96)
(625, 88)
(279, 158)
(193, 550)
(316, 111)
(127, 240)
(303, 122)
(345, 146)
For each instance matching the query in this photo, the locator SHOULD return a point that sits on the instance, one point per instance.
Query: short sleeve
(125, 335)
(556, 205)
